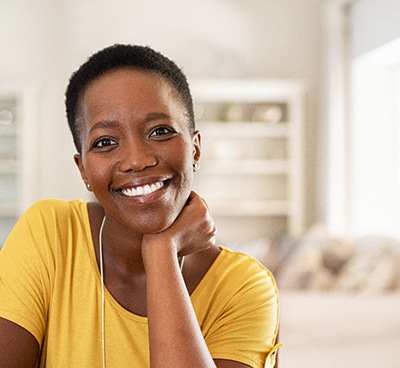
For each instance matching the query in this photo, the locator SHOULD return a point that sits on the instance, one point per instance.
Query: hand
(191, 232)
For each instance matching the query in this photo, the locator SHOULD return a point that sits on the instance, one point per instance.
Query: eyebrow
(157, 116)
(104, 124)
(113, 123)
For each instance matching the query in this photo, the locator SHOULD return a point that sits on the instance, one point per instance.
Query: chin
(154, 227)
(154, 224)
(157, 221)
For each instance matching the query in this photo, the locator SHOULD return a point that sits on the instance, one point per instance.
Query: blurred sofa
(340, 299)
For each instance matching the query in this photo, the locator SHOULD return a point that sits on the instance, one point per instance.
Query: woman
(134, 279)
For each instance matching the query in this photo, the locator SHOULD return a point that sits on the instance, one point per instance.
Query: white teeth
(146, 189)
(131, 192)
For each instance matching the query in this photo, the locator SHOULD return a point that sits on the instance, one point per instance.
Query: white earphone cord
(103, 344)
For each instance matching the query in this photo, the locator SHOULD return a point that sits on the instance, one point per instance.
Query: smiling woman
(132, 140)
(104, 283)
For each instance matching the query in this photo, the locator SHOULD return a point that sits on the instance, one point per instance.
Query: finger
(195, 196)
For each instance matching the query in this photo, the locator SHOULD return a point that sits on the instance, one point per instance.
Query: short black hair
(119, 56)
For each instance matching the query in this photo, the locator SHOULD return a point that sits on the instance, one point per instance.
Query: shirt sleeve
(25, 274)
(246, 329)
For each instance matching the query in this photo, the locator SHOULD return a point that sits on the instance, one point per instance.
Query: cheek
(183, 164)
(97, 173)
(186, 184)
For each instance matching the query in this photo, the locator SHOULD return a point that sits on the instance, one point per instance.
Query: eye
(104, 142)
(162, 131)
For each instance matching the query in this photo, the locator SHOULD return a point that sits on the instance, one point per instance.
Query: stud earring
(196, 166)
(89, 187)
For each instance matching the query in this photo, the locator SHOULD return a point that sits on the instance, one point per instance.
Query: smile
(142, 190)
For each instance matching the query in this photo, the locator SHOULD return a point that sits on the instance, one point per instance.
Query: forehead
(132, 84)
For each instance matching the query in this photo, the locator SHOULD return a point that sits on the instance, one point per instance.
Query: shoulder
(50, 218)
(239, 273)
(59, 209)
(46, 225)
(52, 205)
(242, 264)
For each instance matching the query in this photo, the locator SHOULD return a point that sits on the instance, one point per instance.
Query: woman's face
(137, 148)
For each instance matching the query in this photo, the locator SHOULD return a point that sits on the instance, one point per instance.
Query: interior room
(298, 105)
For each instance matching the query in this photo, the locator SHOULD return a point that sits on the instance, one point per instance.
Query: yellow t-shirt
(50, 285)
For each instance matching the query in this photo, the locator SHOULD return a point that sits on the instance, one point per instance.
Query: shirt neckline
(109, 297)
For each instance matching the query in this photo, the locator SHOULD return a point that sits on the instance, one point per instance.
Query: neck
(122, 248)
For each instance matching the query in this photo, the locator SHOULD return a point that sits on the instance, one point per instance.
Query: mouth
(142, 190)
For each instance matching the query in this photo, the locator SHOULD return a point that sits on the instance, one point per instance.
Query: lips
(140, 190)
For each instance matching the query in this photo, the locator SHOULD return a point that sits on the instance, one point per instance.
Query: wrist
(157, 252)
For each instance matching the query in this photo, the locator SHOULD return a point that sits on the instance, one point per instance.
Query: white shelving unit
(18, 145)
(252, 156)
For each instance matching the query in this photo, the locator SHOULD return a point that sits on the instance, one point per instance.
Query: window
(374, 161)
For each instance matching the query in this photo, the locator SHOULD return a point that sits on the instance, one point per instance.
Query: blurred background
(316, 80)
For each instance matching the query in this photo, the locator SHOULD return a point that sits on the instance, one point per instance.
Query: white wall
(374, 23)
(46, 40)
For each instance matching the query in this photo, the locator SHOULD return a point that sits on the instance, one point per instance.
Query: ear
(79, 163)
(196, 146)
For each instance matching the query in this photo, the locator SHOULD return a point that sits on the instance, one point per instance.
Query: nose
(136, 155)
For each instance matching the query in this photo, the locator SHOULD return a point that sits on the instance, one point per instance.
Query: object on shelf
(6, 117)
(7, 112)
(267, 113)
(233, 112)
(239, 112)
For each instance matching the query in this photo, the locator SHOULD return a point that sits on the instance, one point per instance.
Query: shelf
(244, 129)
(7, 131)
(245, 167)
(9, 166)
(252, 155)
(18, 151)
(249, 208)
(244, 90)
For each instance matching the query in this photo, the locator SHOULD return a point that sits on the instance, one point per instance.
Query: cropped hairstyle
(119, 56)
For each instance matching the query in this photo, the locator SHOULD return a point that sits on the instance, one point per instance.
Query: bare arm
(175, 337)
(18, 347)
